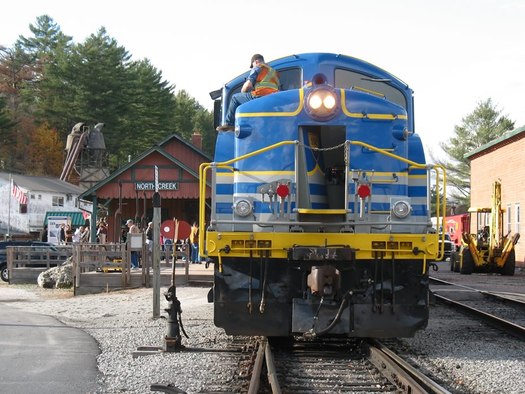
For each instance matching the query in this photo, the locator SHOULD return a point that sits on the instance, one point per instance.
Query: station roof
(156, 149)
(41, 184)
(505, 139)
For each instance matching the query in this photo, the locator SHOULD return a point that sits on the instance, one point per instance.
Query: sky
(452, 53)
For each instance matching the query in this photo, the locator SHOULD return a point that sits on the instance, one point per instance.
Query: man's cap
(129, 221)
(255, 57)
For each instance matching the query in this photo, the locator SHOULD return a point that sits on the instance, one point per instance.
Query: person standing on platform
(77, 234)
(133, 229)
(194, 244)
(85, 235)
(102, 232)
(69, 235)
(62, 235)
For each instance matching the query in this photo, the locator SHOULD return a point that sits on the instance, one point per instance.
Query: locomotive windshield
(347, 79)
(290, 78)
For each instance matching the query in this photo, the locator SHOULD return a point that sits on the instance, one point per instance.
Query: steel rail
(257, 367)
(505, 297)
(401, 373)
(502, 324)
(272, 373)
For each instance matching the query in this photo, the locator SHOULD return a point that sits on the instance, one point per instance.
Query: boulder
(59, 277)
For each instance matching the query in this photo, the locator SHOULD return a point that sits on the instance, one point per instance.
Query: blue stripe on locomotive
(226, 208)
(320, 189)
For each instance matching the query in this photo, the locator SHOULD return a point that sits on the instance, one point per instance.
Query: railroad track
(504, 311)
(324, 366)
(236, 363)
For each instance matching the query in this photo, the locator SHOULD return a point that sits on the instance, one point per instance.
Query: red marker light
(282, 191)
(363, 191)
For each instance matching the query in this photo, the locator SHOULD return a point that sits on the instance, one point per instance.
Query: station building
(26, 201)
(503, 160)
(127, 193)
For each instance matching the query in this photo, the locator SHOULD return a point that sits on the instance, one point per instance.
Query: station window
(509, 218)
(517, 218)
(58, 201)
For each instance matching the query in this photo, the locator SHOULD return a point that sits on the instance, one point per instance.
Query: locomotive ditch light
(321, 103)
(242, 208)
(401, 209)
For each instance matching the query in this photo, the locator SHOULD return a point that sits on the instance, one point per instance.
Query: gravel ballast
(469, 357)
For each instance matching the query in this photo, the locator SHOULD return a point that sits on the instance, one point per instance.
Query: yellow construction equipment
(486, 249)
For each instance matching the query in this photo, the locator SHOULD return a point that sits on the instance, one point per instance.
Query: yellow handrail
(204, 167)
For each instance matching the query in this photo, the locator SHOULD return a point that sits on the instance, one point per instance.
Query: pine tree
(50, 84)
(478, 128)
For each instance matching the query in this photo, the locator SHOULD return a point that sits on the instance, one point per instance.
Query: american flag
(19, 194)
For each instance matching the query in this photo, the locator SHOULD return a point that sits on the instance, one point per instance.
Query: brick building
(502, 159)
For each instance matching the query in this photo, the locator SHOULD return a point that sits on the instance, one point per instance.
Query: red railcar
(456, 225)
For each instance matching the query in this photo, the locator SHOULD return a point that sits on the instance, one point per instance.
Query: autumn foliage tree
(45, 154)
(48, 84)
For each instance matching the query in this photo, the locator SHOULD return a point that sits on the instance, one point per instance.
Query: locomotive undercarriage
(382, 297)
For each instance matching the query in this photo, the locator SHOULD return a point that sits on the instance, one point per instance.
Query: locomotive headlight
(321, 103)
(401, 209)
(242, 208)
(329, 101)
(315, 101)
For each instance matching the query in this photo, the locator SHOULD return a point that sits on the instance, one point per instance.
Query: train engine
(320, 206)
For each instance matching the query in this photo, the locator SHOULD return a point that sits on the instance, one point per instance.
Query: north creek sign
(162, 186)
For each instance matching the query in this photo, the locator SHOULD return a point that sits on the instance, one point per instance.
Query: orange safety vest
(267, 81)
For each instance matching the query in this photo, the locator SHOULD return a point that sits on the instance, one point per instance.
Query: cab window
(290, 78)
(347, 79)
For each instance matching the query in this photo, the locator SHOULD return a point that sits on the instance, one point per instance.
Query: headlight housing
(401, 209)
(242, 208)
(322, 103)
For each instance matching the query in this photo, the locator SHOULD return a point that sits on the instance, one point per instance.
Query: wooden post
(175, 239)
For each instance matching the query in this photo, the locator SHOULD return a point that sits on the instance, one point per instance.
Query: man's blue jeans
(194, 257)
(134, 260)
(236, 100)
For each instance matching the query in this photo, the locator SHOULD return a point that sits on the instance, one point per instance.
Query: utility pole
(8, 235)
(156, 247)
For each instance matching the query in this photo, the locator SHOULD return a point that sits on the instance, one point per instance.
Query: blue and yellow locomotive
(320, 205)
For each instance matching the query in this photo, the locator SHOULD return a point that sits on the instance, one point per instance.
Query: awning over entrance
(77, 218)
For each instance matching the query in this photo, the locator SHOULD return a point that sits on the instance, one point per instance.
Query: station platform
(186, 274)
(197, 274)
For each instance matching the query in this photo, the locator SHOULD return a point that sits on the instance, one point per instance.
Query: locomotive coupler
(173, 340)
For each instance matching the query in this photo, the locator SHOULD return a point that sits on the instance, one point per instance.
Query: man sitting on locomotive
(262, 81)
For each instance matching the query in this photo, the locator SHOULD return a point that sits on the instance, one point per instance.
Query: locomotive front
(320, 221)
